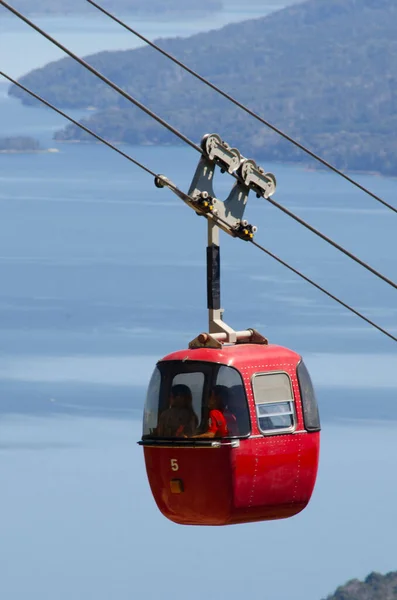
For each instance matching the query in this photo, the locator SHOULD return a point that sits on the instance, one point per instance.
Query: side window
(274, 402)
(309, 403)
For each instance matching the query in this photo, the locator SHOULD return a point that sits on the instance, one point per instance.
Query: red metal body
(261, 477)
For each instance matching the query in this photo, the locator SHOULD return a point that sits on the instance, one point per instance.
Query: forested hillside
(325, 71)
(375, 587)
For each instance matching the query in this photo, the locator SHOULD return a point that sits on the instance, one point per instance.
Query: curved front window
(309, 403)
(195, 400)
(152, 403)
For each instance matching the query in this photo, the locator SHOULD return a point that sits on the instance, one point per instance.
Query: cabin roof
(240, 355)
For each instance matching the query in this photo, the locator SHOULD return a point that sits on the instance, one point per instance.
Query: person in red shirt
(217, 423)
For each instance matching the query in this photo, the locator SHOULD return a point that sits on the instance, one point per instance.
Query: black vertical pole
(213, 277)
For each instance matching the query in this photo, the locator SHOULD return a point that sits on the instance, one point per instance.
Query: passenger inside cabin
(179, 420)
(237, 408)
(217, 414)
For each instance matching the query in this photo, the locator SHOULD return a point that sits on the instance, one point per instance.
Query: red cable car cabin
(231, 426)
(265, 466)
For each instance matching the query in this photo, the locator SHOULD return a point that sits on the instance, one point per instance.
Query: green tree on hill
(375, 587)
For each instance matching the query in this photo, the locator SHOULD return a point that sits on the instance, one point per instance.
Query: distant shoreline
(41, 151)
(124, 8)
(286, 163)
(121, 15)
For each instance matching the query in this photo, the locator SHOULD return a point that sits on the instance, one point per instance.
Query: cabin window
(191, 399)
(311, 416)
(235, 401)
(274, 402)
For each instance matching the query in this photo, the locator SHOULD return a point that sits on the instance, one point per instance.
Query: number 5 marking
(174, 464)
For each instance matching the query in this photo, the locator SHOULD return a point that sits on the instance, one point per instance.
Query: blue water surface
(102, 274)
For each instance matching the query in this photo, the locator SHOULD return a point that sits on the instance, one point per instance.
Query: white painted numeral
(174, 464)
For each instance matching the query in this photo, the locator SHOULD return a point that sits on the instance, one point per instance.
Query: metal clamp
(249, 176)
(254, 177)
(221, 153)
(245, 231)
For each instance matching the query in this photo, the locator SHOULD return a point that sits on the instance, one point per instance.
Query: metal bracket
(255, 178)
(215, 340)
(201, 195)
(226, 215)
(248, 177)
(221, 153)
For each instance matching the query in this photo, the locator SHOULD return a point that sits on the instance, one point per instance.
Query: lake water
(78, 520)
(101, 275)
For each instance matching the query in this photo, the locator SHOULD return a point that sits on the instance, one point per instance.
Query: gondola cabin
(251, 454)
(231, 427)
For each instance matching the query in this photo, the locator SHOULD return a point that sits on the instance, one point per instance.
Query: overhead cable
(332, 243)
(313, 283)
(83, 127)
(242, 106)
(101, 76)
(185, 197)
(193, 145)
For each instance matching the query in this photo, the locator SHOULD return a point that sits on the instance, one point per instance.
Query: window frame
(292, 401)
(171, 371)
(210, 370)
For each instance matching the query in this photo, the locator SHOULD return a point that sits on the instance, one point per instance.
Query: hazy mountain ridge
(324, 71)
(125, 6)
(374, 587)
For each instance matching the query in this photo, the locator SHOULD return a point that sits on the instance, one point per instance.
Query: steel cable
(83, 127)
(192, 144)
(108, 82)
(317, 286)
(242, 106)
(188, 199)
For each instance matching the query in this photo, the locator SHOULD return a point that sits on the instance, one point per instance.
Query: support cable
(83, 127)
(192, 144)
(316, 285)
(185, 197)
(102, 77)
(242, 106)
(332, 243)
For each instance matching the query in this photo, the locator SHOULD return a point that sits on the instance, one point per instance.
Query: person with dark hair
(179, 420)
(217, 423)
